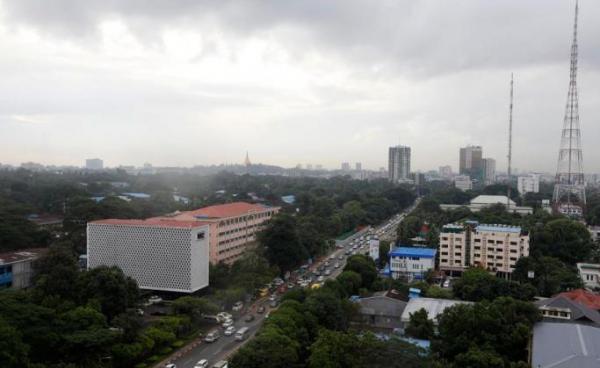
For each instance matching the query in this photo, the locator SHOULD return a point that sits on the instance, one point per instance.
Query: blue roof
(499, 228)
(413, 252)
(137, 195)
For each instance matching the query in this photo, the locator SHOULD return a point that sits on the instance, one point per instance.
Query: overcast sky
(200, 82)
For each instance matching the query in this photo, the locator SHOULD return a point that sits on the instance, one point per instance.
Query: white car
(223, 316)
(229, 331)
(237, 306)
(227, 323)
(202, 363)
(154, 299)
(320, 279)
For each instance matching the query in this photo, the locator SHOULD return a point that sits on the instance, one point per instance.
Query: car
(249, 318)
(327, 273)
(320, 279)
(223, 316)
(171, 365)
(229, 331)
(274, 303)
(341, 257)
(348, 252)
(336, 265)
(326, 263)
(202, 363)
(260, 310)
(227, 323)
(331, 257)
(221, 364)
(237, 306)
(212, 336)
(272, 297)
(446, 284)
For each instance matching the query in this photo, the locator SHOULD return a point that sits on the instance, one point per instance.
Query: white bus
(241, 334)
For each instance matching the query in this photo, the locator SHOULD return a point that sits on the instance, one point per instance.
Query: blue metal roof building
(413, 252)
(411, 263)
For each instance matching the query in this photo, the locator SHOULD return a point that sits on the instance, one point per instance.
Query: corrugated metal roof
(565, 345)
(434, 307)
(499, 228)
(413, 252)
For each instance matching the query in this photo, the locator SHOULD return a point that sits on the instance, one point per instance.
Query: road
(226, 345)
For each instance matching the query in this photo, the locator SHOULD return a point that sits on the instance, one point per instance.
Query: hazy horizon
(184, 82)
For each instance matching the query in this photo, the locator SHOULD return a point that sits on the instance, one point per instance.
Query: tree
(408, 229)
(477, 358)
(384, 250)
(269, 349)
(111, 288)
(437, 292)
(57, 273)
(193, 307)
(565, 239)
(282, 243)
(350, 281)
(502, 327)
(364, 266)
(328, 308)
(13, 352)
(477, 284)
(551, 276)
(420, 326)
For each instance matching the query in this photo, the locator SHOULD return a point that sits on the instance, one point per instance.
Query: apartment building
(234, 227)
(493, 247)
(411, 263)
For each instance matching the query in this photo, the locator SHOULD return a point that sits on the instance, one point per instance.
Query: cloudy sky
(199, 82)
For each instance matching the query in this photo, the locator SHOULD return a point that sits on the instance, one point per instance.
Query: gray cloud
(432, 74)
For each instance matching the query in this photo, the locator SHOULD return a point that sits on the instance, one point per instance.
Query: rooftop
(225, 210)
(491, 199)
(565, 345)
(496, 228)
(21, 255)
(434, 307)
(585, 297)
(579, 312)
(152, 222)
(413, 252)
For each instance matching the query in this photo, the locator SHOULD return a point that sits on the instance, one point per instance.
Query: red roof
(225, 210)
(584, 297)
(153, 222)
(21, 255)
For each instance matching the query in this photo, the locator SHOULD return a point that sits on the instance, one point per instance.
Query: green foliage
(477, 284)
(565, 239)
(193, 307)
(501, 327)
(420, 326)
(437, 292)
(13, 352)
(282, 243)
(365, 267)
(408, 229)
(351, 281)
(551, 276)
(270, 349)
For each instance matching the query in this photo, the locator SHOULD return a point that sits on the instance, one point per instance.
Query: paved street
(226, 345)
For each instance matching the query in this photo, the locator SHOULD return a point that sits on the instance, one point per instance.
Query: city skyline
(128, 80)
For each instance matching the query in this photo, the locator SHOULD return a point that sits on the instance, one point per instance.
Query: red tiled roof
(225, 210)
(20, 255)
(153, 222)
(584, 297)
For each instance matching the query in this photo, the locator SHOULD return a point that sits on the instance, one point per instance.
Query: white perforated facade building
(159, 254)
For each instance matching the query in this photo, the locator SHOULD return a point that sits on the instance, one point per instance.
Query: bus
(241, 334)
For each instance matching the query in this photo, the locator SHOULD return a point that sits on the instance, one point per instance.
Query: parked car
(237, 306)
(202, 363)
(327, 272)
(223, 316)
(229, 331)
(336, 265)
(320, 279)
(341, 257)
(221, 364)
(227, 323)
(249, 318)
(260, 310)
(171, 365)
(212, 336)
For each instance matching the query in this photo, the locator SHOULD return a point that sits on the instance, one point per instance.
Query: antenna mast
(510, 124)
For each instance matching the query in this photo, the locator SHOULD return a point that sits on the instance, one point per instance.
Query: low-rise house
(433, 306)
(562, 309)
(589, 299)
(589, 274)
(565, 345)
(380, 312)
(16, 268)
(411, 263)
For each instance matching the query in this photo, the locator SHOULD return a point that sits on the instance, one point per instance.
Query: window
(444, 238)
(477, 248)
(477, 240)
(490, 241)
(477, 255)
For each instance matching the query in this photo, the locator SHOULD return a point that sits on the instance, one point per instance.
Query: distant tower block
(569, 187)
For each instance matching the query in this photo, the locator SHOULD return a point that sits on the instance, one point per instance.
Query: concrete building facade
(411, 263)
(160, 254)
(496, 248)
(528, 184)
(16, 268)
(489, 171)
(589, 274)
(94, 164)
(471, 162)
(399, 164)
(463, 182)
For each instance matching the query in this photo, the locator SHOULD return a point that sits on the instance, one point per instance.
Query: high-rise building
(399, 163)
(528, 184)
(94, 164)
(471, 162)
(463, 182)
(445, 171)
(489, 171)
(358, 166)
(345, 166)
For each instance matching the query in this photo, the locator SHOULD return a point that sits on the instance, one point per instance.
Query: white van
(221, 364)
(241, 334)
